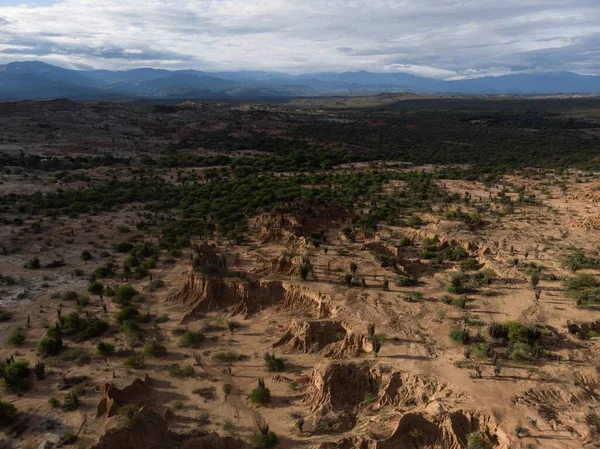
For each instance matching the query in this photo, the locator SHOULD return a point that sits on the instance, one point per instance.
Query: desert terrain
(420, 273)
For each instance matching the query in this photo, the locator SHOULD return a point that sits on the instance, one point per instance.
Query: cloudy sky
(438, 38)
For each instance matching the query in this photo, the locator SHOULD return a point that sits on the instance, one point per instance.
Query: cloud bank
(439, 38)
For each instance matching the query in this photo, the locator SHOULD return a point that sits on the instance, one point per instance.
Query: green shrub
(228, 357)
(581, 282)
(131, 330)
(498, 331)
(129, 415)
(406, 281)
(260, 395)
(67, 438)
(476, 440)
(54, 403)
(177, 371)
(264, 441)
(105, 349)
(458, 284)
(86, 255)
(460, 302)
(460, 335)
(70, 296)
(106, 270)
(96, 288)
(83, 328)
(520, 351)
(428, 254)
(156, 284)
(191, 339)
(469, 264)
(589, 296)
(518, 333)
(8, 412)
(273, 363)
(17, 336)
(33, 264)
(135, 361)
(123, 247)
(579, 261)
(480, 350)
(50, 345)
(127, 313)
(71, 402)
(124, 295)
(414, 221)
(155, 349)
(5, 316)
(17, 376)
(405, 241)
(446, 299)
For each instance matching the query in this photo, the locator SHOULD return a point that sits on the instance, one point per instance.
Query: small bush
(17, 376)
(476, 440)
(460, 335)
(54, 403)
(519, 333)
(39, 370)
(127, 313)
(51, 344)
(581, 282)
(33, 264)
(105, 349)
(228, 357)
(405, 241)
(5, 316)
(156, 284)
(18, 336)
(273, 363)
(83, 328)
(191, 339)
(260, 395)
(414, 221)
(427, 254)
(264, 441)
(469, 264)
(458, 284)
(406, 281)
(8, 412)
(71, 402)
(480, 350)
(129, 415)
(460, 302)
(135, 361)
(228, 427)
(498, 331)
(96, 288)
(155, 349)
(124, 295)
(123, 247)
(520, 351)
(187, 371)
(67, 438)
(70, 296)
(131, 330)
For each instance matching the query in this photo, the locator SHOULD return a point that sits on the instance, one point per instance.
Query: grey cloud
(437, 36)
(41, 46)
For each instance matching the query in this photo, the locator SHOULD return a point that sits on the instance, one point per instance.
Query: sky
(446, 39)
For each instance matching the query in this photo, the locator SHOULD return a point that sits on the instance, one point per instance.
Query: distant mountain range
(37, 80)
